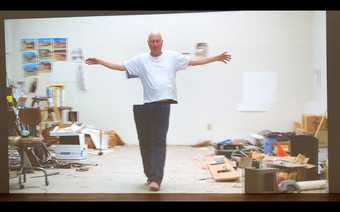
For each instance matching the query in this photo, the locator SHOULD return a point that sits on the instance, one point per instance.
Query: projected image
(235, 103)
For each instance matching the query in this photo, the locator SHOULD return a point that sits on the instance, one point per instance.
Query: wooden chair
(31, 117)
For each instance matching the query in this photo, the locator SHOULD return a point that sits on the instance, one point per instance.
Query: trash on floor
(203, 144)
(82, 169)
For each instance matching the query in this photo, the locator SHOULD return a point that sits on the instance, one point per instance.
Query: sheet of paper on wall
(258, 90)
(64, 72)
(81, 78)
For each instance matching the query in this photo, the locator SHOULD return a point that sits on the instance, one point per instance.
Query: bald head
(154, 35)
(155, 43)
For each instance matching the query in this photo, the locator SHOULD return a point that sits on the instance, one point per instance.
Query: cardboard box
(310, 123)
(70, 152)
(109, 140)
(72, 139)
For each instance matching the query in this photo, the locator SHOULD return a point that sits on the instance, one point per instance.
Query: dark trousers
(152, 123)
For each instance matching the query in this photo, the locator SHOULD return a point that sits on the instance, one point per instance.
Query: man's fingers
(226, 58)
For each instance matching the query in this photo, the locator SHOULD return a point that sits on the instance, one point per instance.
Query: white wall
(283, 42)
(318, 103)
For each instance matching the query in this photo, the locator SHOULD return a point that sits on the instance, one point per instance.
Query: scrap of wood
(222, 171)
(202, 144)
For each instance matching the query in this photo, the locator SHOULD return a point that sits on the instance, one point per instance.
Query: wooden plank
(222, 171)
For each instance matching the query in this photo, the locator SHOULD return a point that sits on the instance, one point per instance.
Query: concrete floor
(119, 170)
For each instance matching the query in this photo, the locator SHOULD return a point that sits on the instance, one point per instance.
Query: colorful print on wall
(27, 44)
(29, 57)
(45, 54)
(45, 66)
(30, 67)
(59, 49)
(39, 54)
(59, 54)
(59, 43)
(45, 48)
(45, 43)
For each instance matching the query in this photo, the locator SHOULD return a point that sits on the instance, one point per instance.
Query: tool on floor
(82, 169)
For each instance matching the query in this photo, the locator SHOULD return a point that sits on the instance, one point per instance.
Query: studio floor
(119, 170)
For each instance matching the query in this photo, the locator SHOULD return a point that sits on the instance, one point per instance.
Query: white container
(70, 152)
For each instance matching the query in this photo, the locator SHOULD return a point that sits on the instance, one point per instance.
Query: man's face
(155, 43)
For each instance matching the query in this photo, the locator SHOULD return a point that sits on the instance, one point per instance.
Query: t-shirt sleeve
(181, 61)
(132, 66)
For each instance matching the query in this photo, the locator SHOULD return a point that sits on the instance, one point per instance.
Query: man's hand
(224, 57)
(92, 61)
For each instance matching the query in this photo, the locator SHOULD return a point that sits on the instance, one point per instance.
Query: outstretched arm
(224, 57)
(113, 66)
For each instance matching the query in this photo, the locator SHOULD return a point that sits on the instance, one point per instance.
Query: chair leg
(24, 173)
(22, 168)
(45, 173)
(20, 182)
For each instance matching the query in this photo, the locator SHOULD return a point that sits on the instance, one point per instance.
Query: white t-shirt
(157, 74)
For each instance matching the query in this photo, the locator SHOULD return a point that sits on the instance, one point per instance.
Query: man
(157, 72)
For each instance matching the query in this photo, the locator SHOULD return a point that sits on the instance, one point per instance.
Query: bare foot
(153, 186)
